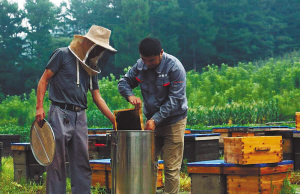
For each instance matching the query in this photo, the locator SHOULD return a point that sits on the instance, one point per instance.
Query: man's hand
(40, 116)
(135, 101)
(150, 125)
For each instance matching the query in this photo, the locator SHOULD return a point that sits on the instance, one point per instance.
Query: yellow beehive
(253, 150)
(257, 178)
(101, 173)
(297, 121)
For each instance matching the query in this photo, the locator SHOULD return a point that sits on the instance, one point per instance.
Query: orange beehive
(101, 173)
(257, 178)
(253, 150)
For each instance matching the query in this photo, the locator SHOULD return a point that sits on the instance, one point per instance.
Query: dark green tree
(162, 13)
(133, 27)
(41, 15)
(244, 30)
(11, 42)
(197, 34)
(286, 30)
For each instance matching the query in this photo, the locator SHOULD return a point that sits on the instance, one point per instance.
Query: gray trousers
(71, 133)
(169, 143)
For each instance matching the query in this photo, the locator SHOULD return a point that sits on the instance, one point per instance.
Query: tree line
(198, 32)
(247, 94)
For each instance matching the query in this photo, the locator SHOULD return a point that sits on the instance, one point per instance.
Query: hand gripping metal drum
(42, 142)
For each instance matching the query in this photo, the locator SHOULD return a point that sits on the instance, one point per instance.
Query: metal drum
(132, 162)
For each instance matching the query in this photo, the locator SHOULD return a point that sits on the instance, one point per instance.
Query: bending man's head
(151, 51)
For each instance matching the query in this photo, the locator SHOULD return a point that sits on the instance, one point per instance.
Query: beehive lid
(20, 146)
(208, 163)
(108, 161)
(201, 131)
(9, 136)
(239, 129)
(259, 128)
(296, 134)
(103, 130)
(258, 169)
(279, 128)
(100, 161)
(201, 136)
(206, 167)
(220, 129)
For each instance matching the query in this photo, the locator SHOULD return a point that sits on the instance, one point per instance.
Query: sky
(21, 2)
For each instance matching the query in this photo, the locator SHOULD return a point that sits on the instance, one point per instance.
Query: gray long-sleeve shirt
(163, 89)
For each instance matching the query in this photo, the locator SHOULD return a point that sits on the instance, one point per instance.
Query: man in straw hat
(162, 79)
(71, 72)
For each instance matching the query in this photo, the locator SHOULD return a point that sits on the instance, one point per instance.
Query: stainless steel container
(132, 162)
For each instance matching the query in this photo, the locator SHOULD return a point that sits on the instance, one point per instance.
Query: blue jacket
(163, 89)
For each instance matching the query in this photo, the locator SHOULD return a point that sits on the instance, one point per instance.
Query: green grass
(9, 186)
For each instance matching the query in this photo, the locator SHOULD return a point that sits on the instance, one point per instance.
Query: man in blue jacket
(162, 79)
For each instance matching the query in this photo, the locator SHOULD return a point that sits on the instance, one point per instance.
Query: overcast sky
(21, 2)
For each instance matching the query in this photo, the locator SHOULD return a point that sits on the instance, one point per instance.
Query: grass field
(9, 186)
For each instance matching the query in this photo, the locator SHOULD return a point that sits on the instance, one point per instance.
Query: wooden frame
(129, 119)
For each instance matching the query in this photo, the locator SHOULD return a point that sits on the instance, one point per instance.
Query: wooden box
(200, 147)
(259, 130)
(287, 141)
(224, 132)
(99, 146)
(25, 165)
(201, 131)
(129, 119)
(296, 142)
(101, 173)
(93, 131)
(247, 131)
(103, 130)
(253, 150)
(257, 178)
(187, 131)
(207, 177)
(6, 140)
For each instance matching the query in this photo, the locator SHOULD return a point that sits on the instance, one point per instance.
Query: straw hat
(99, 36)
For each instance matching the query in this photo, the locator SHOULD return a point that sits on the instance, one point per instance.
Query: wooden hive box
(241, 131)
(207, 177)
(103, 130)
(224, 132)
(25, 165)
(287, 141)
(99, 146)
(253, 150)
(201, 131)
(7, 140)
(257, 178)
(296, 140)
(259, 130)
(91, 131)
(101, 173)
(200, 147)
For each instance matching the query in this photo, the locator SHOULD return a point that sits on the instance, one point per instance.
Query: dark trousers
(70, 130)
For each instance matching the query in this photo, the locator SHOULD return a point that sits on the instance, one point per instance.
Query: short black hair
(150, 47)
